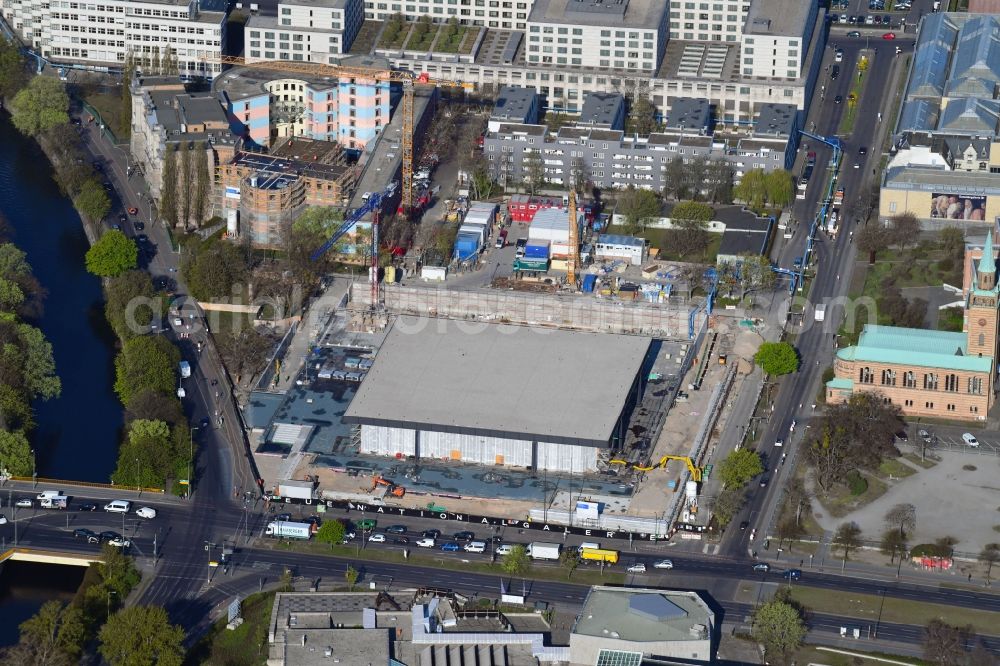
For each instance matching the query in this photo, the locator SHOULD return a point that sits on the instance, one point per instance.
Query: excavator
(695, 471)
(393, 489)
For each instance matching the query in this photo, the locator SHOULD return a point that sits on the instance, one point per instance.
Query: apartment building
(613, 159)
(773, 44)
(708, 21)
(502, 14)
(102, 34)
(272, 105)
(305, 30)
(166, 117)
(620, 34)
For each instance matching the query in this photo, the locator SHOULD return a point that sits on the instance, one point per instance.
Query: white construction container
(482, 212)
(477, 229)
(551, 224)
(436, 273)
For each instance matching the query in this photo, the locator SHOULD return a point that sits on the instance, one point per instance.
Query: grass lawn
(447, 44)
(110, 108)
(951, 319)
(660, 239)
(839, 502)
(903, 611)
(809, 654)
(894, 469)
(424, 43)
(397, 42)
(857, 88)
(244, 645)
(583, 575)
(915, 459)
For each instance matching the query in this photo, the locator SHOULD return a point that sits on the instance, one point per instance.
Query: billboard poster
(958, 207)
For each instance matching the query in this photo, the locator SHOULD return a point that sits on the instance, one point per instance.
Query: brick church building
(931, 373)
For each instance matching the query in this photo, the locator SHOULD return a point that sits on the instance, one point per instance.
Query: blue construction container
(466, 245)
(589, 282)
(536, 250)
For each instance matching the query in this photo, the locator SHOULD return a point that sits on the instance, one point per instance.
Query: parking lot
(946, 438)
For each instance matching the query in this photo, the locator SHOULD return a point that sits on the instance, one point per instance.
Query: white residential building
(775, 39)
(101, 34)
(718, 21)
(307, 30)
(507, 15)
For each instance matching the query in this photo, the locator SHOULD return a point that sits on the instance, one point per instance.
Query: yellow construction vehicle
(695, 471)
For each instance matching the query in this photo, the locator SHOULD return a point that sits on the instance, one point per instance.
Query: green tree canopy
(113, 254)
(93, 201)
(212, 268)
(142, 636)
(739, 467)
(752, 189)
(38, 367)
(146, 362)
(320, 220)
(15, 410)
(637, 205)
(147, 457)
(40, 106)
(516, 562)
(780, 187)
(54, 636)
(777, 358)
(12, 69)
(728, 504)
(15, 453)
(692, 210)
(778, 626)
(152, 405)
(641, 116)
(331, 532)
(129, 303)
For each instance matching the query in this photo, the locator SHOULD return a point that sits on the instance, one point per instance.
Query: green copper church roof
(915, 346)
(987, 263)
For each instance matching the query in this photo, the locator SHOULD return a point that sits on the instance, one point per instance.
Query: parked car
(970, 440)
(663, 564)
(146, 512)
(762, 567)
(637, 568)
(378, 537)
(23, 503)
(504, 549)
(924, 435)
(396, 529)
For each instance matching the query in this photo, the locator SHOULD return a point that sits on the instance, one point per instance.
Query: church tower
(983, 303)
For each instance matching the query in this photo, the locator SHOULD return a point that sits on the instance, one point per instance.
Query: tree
(692, 210)
(12, 70)
(905, 229)
(331, 532)
(532, 171)
(990, 555)
(184, 176)
(780, 187)
(151, 405)
(168, 187)
(752, 189)
(202, 182)
(637, 206)
(213, 268)
(727, 505)
(719, 181)
(113, 254)
(15, 410)
(129, 302)
(754, 274)
(93, 201)
(322, 221)
(146, 459)
(777, 358)
(675, 179)
(40, 106)
(789, 530)
(516, 562)
(38, 367)
(244, 350)
(873, 238)
(147, 362)
(945, 644)
(739, 467)
(892, 544)
(54, 636)
(15, 453)
(569, 561)
(641, 116)
(848, 537)
(142, 635)
(902, 517)
(778, 626)
(351, 576)
(579, 174)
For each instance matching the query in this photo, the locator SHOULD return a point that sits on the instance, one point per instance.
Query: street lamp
(34, 470)
(191, 457)
(208, 548)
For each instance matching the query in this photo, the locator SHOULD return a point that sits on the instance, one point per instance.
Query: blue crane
(824, 208)
(713, 276)
(374, 202)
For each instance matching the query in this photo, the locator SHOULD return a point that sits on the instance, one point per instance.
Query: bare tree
(945, 644)
(533, 171)
(848, 537)
(579, 173)
(902, 517)
(990, 555)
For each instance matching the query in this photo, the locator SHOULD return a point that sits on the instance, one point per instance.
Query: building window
(618, 658)
(908, 403)
(928, 405)
(909, 379)
(982, 339)
(930, 381)
(951, 383)
(951, 408)
(866, 376)
(888, 378)
(976, 385)
(974, 409)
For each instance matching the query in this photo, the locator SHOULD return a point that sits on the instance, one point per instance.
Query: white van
(588, 544)
(505, 549)
(475, 547)
(49, 494)
(118, 506)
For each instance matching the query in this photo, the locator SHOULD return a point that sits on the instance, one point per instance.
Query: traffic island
(854, 96)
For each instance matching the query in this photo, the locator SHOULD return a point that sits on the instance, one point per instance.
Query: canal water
(26, 586)
(77, 435)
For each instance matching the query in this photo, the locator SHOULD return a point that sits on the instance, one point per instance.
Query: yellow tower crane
(405, 78)
(574, 241)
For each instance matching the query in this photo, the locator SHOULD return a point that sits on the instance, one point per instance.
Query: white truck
(297, 489)
(53, 502)
(185, 369)
(820, 313)
(543, 551)
(289, 530)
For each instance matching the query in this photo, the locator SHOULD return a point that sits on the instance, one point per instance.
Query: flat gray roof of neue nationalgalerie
(499, 381)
